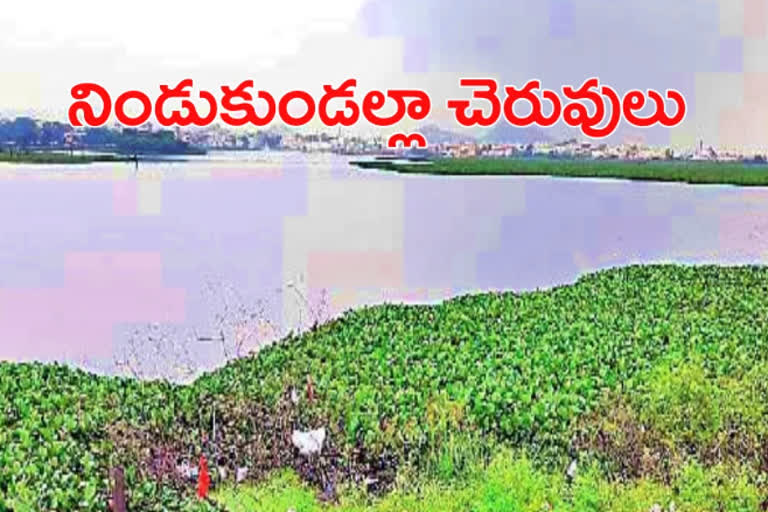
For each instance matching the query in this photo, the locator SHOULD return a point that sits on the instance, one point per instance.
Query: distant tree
(529, 150)
(99, 137)
(268, 139)
(167, 136)
(53, 133)
(23, 131)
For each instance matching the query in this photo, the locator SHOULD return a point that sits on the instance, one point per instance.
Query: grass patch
(53, 157)
(726, 173)
(513, 483)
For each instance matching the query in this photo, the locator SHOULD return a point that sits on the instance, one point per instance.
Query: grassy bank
(651, 377)
(45, 157)
(513, 483)
(731, 173)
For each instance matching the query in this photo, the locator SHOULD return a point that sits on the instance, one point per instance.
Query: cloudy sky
(714, 51)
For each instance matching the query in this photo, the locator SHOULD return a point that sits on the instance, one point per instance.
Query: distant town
(25, 134)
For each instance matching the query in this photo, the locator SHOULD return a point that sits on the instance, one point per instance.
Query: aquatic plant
(399, 386)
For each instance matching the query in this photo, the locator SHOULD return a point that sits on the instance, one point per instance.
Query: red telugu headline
(237, 107)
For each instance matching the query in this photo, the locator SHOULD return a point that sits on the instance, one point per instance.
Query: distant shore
(685, 171)
(59, 157)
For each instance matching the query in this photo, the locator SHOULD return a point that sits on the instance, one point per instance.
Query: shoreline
(55, 158)
(746, 174)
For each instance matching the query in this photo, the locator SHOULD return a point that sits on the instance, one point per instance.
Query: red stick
(203, 479)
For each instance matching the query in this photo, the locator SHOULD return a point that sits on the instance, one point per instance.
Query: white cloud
(175, 31)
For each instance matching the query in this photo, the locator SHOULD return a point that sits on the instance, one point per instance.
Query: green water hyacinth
(391, 381)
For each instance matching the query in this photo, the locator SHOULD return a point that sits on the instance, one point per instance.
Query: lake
(172, 268)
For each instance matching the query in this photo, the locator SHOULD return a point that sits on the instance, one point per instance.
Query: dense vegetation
(513, 483)
(696, 172)
(649, 376)
(683, 440)
(24, 133)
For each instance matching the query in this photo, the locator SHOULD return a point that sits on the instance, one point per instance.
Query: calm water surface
(146, 271)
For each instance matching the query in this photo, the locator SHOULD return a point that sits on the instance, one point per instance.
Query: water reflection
(101, 262)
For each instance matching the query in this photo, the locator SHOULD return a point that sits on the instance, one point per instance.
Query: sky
(714, 51)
